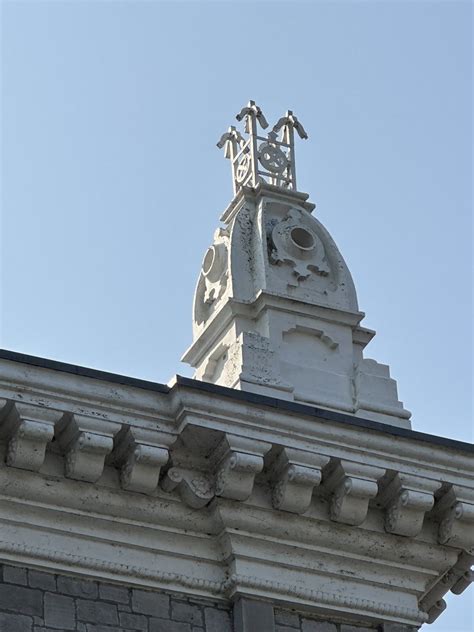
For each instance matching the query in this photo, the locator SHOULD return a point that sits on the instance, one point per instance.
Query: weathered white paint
(275, 308)
(225, 497)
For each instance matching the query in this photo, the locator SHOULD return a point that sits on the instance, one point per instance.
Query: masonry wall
(34, 601)
(290, 621)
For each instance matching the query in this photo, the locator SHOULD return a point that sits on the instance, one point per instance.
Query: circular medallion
(272, 158)
(242, 168)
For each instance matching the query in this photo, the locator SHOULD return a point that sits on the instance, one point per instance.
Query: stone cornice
(13, 373)
(221, 490)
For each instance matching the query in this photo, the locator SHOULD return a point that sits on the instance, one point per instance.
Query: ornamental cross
(258, 158)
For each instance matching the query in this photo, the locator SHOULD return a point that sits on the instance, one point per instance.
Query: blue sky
(112, 185)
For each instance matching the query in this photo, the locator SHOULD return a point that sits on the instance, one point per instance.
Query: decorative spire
(258, 158)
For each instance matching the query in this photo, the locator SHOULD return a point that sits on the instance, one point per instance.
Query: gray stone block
(42, 629)
(134, 621)
(152, 603)
(186, 612)
(15, 575)
(45, 581)
(96, 612)
(110, 592)
(161, 625)
(59, 612)
(356, 628)
(22, 600)
(103, 628)
(253, 616)
(77, 587)
(398, 627)
(310, 625)
(284, 628)
(217, 620)
(285, 617)
(15, 623)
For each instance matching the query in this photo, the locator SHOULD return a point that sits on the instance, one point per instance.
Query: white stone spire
(275, 307)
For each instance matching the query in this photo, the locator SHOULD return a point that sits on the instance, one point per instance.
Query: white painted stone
(294, 475)
(141, 454)
(227, 495)
(407, 499)
(295, 545)
(28, 430)
(86, 442)
(275, 308)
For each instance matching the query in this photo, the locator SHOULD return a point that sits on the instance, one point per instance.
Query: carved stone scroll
(456, 579)
(455, 514)
(351, 486)
(28, 429)
(237, 461)
(86, 441)
(194, 488)
(140, 454)
(406, 500)
(294, 476)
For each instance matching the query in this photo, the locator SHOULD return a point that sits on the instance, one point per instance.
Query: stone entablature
(220, 493)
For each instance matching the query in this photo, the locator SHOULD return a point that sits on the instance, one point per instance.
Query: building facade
(282, 489)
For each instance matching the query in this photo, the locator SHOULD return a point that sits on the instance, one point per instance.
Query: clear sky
(112, 184)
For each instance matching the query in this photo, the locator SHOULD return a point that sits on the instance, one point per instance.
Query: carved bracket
(29, 429)
(406, 500)
(140, 454)
(457, 579)
(455, 514)
(294, 476)
(237, 461)
(86, 442)
(351, 486)
(194, 488)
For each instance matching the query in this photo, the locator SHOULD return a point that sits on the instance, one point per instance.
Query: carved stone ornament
(29, 429)
(238, 460)
(214, 267)
(258, 158)
(455, 513)
(407, 499)
(457, 526)
(195, 488)
(456, 580)
(295, 474)
(352, 486)
(296, 243)
(86, 442)
(140, 458)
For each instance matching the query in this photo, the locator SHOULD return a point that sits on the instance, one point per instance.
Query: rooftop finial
(259, 158)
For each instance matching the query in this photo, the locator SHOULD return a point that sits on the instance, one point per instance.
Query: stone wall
(35, 601)
(290, 621)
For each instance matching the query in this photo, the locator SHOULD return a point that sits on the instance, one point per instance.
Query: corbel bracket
(28, 429)
(86, 441)
(351, 486)
(406, 500)
(455, 513)
(294, 475)
(194, 488)
(140, 454)
(236, 462)
(456, 580)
